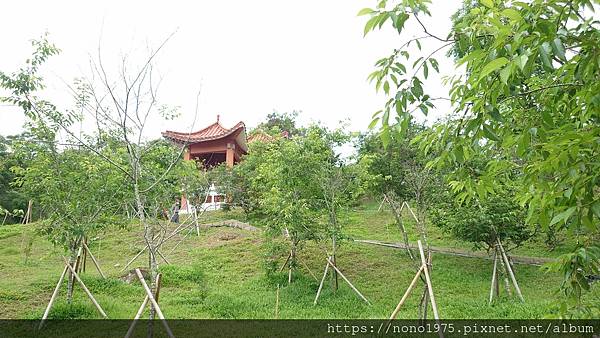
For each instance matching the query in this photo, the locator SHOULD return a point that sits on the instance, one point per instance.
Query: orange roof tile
(260, 136)
(213, 132)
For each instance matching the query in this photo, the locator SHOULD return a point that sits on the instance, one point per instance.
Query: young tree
(120, 106)
(529, 88)
(79, 196)
(284, 183)
(341, 185)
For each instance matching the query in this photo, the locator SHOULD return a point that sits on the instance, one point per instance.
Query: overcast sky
(249, 57)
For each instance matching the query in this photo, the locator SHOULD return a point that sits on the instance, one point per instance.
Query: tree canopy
(527, 88)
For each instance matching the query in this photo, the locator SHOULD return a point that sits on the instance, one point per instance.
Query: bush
(483, 221)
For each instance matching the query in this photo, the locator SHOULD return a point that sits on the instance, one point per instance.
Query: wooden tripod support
(153, 300)
(138, 255)
(423, 269)
(27, 216)
(57, 288)
(500, 256)
(330, 264)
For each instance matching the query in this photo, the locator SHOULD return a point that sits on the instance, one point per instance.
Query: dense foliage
(529, 88)
(483, 222)
(277, 123)
(13, 202)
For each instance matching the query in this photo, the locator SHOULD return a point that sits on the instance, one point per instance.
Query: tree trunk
(334, 274)
(400, 224)
(504, 272)
(149, 238)
(292, 263)
(71, 280)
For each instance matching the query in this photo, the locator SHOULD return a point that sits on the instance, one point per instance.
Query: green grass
(221, 274)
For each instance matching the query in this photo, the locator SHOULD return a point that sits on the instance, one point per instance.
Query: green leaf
(495, 114)
(487, 3)
(563, 216)
(505, 74)
(512, 14)
(370, 24)
(400, 20)
(434, 64)
(489, 133)
(559, 49)
(471, 56)
(521, 61)
(544, 54)
(492, 66)
(373, 123)
(385, 119)
(425, 70)
(365, 11)
(385, 136)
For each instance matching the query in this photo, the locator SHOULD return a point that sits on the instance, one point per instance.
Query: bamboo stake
(347, 281)
(154, 303)
(140, 310)
(497, 283)
(94, 260)
(510, 271)
(196, 221)
(407, 293)
(505, 273)
(381, 204)
(142, 307)
(181, 240)
(27, 216)
(162, 256)
(76, 265)
(89, 294)
(85, 252)
(277, 303)
(292, 260)
(494, 279)
(310, 271)
(137, 317)
(428, 280)
(134, 258)
(286, 261)
(411, 211)
(425, 296)
(321, 284)
(53, 298)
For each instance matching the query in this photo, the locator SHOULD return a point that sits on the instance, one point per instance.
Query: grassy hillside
(221, 274)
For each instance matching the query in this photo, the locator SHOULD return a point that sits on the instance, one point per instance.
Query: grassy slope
(221, 275)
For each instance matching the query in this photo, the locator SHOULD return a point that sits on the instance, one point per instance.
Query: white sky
(250, 57)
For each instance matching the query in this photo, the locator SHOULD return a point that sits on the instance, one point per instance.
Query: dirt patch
(228, 237)
(131, 276)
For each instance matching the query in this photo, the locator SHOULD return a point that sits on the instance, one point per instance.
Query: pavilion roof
(260, 136)
(213, 132)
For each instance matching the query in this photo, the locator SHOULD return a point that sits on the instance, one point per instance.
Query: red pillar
(230, 154)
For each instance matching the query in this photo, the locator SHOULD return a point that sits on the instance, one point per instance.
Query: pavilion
(213, 145)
